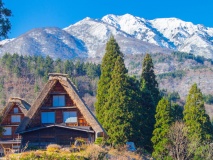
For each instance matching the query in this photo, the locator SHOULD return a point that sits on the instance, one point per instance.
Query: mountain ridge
(87, 38)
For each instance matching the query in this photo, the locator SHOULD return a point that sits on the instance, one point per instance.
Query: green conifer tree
(148, 79)
(5, 24)
(196, 120)
(107, 66)
(119, 115)
(150, 96)
(134, 94)
(147, 121)
(162, 126)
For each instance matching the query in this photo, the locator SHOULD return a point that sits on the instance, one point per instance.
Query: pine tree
(107, 66)
(147, 121)
(5, 24)
(196, 120)
(150, 96)
(134, 94)
(162, 126)
(177, 112)
(120, 113)
(148, 78)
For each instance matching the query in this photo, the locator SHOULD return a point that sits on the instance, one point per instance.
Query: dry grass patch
(53, 148)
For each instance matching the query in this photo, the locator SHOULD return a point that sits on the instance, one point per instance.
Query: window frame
(64, 120)
(57, 102)
(47, 120)
(15, 110)
(14, 118)
(10, 133)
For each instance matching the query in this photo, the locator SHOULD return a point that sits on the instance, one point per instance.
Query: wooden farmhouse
(59, 116)
(12, 114)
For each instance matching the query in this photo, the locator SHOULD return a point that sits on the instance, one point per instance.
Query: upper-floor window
(15, 110)
(70, 117)
(48, 117)
(15, 118)
(7, 131)
(58, 100)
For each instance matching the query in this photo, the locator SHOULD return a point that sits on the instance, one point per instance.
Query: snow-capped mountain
(3, 42)
(171, 33)
(46, 41)
(95, 34)
(139, 28)
(135, 35)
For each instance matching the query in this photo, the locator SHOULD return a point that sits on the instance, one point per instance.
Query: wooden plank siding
(61, 136)
(7, 122)
(47, 106)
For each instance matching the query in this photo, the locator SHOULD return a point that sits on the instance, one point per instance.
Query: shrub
(95, 152)
(53, 148)
(99, 141)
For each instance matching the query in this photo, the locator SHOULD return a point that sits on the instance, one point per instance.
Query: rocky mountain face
(170, 33)
(54, 42)
(135, 35)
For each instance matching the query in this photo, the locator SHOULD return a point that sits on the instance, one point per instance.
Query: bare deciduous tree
(178, 142)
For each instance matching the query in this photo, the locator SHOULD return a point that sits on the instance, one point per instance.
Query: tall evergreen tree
(134, 94)
(148, 79)
(147, 121)
(5, 24)
(107, 66)
(177, 112)
(119, 115)
(162, 126)
(150, 96)
(196, 120)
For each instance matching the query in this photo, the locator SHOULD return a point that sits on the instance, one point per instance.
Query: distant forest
(32, 72)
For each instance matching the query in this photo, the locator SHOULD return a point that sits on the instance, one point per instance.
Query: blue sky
(29, 14)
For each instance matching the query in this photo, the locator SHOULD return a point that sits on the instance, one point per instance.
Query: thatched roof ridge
(22, 104)
(57, 74)
(88, 115)
(37, 104)
(73, 93)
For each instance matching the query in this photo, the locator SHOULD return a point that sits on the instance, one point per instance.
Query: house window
(58, 101)
(15, 110)
(48, 117)
(70, 117)
(15, 118)
(8, 131)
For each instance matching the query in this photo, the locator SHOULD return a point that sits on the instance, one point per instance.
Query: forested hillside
(23, 76)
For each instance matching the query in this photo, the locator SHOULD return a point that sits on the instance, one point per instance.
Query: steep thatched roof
(72, 92)
(22, 104)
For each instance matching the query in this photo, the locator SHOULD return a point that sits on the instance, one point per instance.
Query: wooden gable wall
(8, 123)
(47, 106)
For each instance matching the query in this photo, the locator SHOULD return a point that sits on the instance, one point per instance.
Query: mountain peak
(89, 36)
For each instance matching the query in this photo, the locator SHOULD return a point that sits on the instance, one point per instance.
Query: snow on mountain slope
(171, 33)
(89, 36)
(139, 28)
(197, 45)
(3, 42)
(46, 41)
(177, 30)
(94, 33)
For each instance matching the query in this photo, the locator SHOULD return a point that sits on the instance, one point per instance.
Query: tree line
(41, 66)
(134, 110)
(27, 75)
